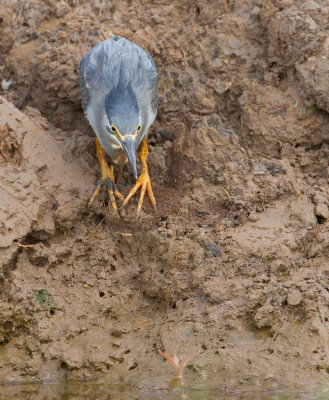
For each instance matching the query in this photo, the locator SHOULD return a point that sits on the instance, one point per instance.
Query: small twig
(19, 103)
(277, 332)
(227, 193)
(24, 245)
(100, 223)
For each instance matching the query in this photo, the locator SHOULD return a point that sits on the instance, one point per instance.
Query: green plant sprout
(179, 364)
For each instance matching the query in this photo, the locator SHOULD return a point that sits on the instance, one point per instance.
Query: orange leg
(107, 179)
(143, 182)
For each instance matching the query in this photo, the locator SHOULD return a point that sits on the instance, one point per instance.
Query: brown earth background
(234, 263)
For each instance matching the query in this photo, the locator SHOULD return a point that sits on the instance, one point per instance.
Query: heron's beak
(128, 145)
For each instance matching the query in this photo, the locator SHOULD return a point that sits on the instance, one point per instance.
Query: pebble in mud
(322, 210)
(294, 297)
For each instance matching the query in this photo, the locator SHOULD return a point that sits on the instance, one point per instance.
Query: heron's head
(124, 120)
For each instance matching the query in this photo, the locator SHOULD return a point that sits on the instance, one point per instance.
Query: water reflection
(78, 390)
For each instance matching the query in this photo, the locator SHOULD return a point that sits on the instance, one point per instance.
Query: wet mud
(234, 263)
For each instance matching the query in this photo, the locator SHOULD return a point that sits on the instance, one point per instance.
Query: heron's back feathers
(117, 63)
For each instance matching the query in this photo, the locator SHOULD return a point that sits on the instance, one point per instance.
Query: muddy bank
(234, 264)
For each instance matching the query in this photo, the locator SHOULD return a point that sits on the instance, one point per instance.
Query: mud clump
(299, 42)
(9, 147)
(234, 263)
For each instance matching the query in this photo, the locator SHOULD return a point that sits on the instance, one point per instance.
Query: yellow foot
(143, 183)
(107, 179)
(112, 191)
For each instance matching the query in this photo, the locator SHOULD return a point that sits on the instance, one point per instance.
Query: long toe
(140, 200)
(151, 195)
(107, 180)
(144, 184)
(94, 195)
(112, 191)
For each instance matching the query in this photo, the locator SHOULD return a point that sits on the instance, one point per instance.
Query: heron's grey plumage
(118, 82)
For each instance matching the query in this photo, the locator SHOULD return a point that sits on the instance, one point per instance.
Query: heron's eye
(139, 128)
(113, 129)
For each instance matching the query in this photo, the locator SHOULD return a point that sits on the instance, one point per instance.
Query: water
(84, 391)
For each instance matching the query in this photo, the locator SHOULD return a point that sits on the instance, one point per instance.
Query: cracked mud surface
(234, 264)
